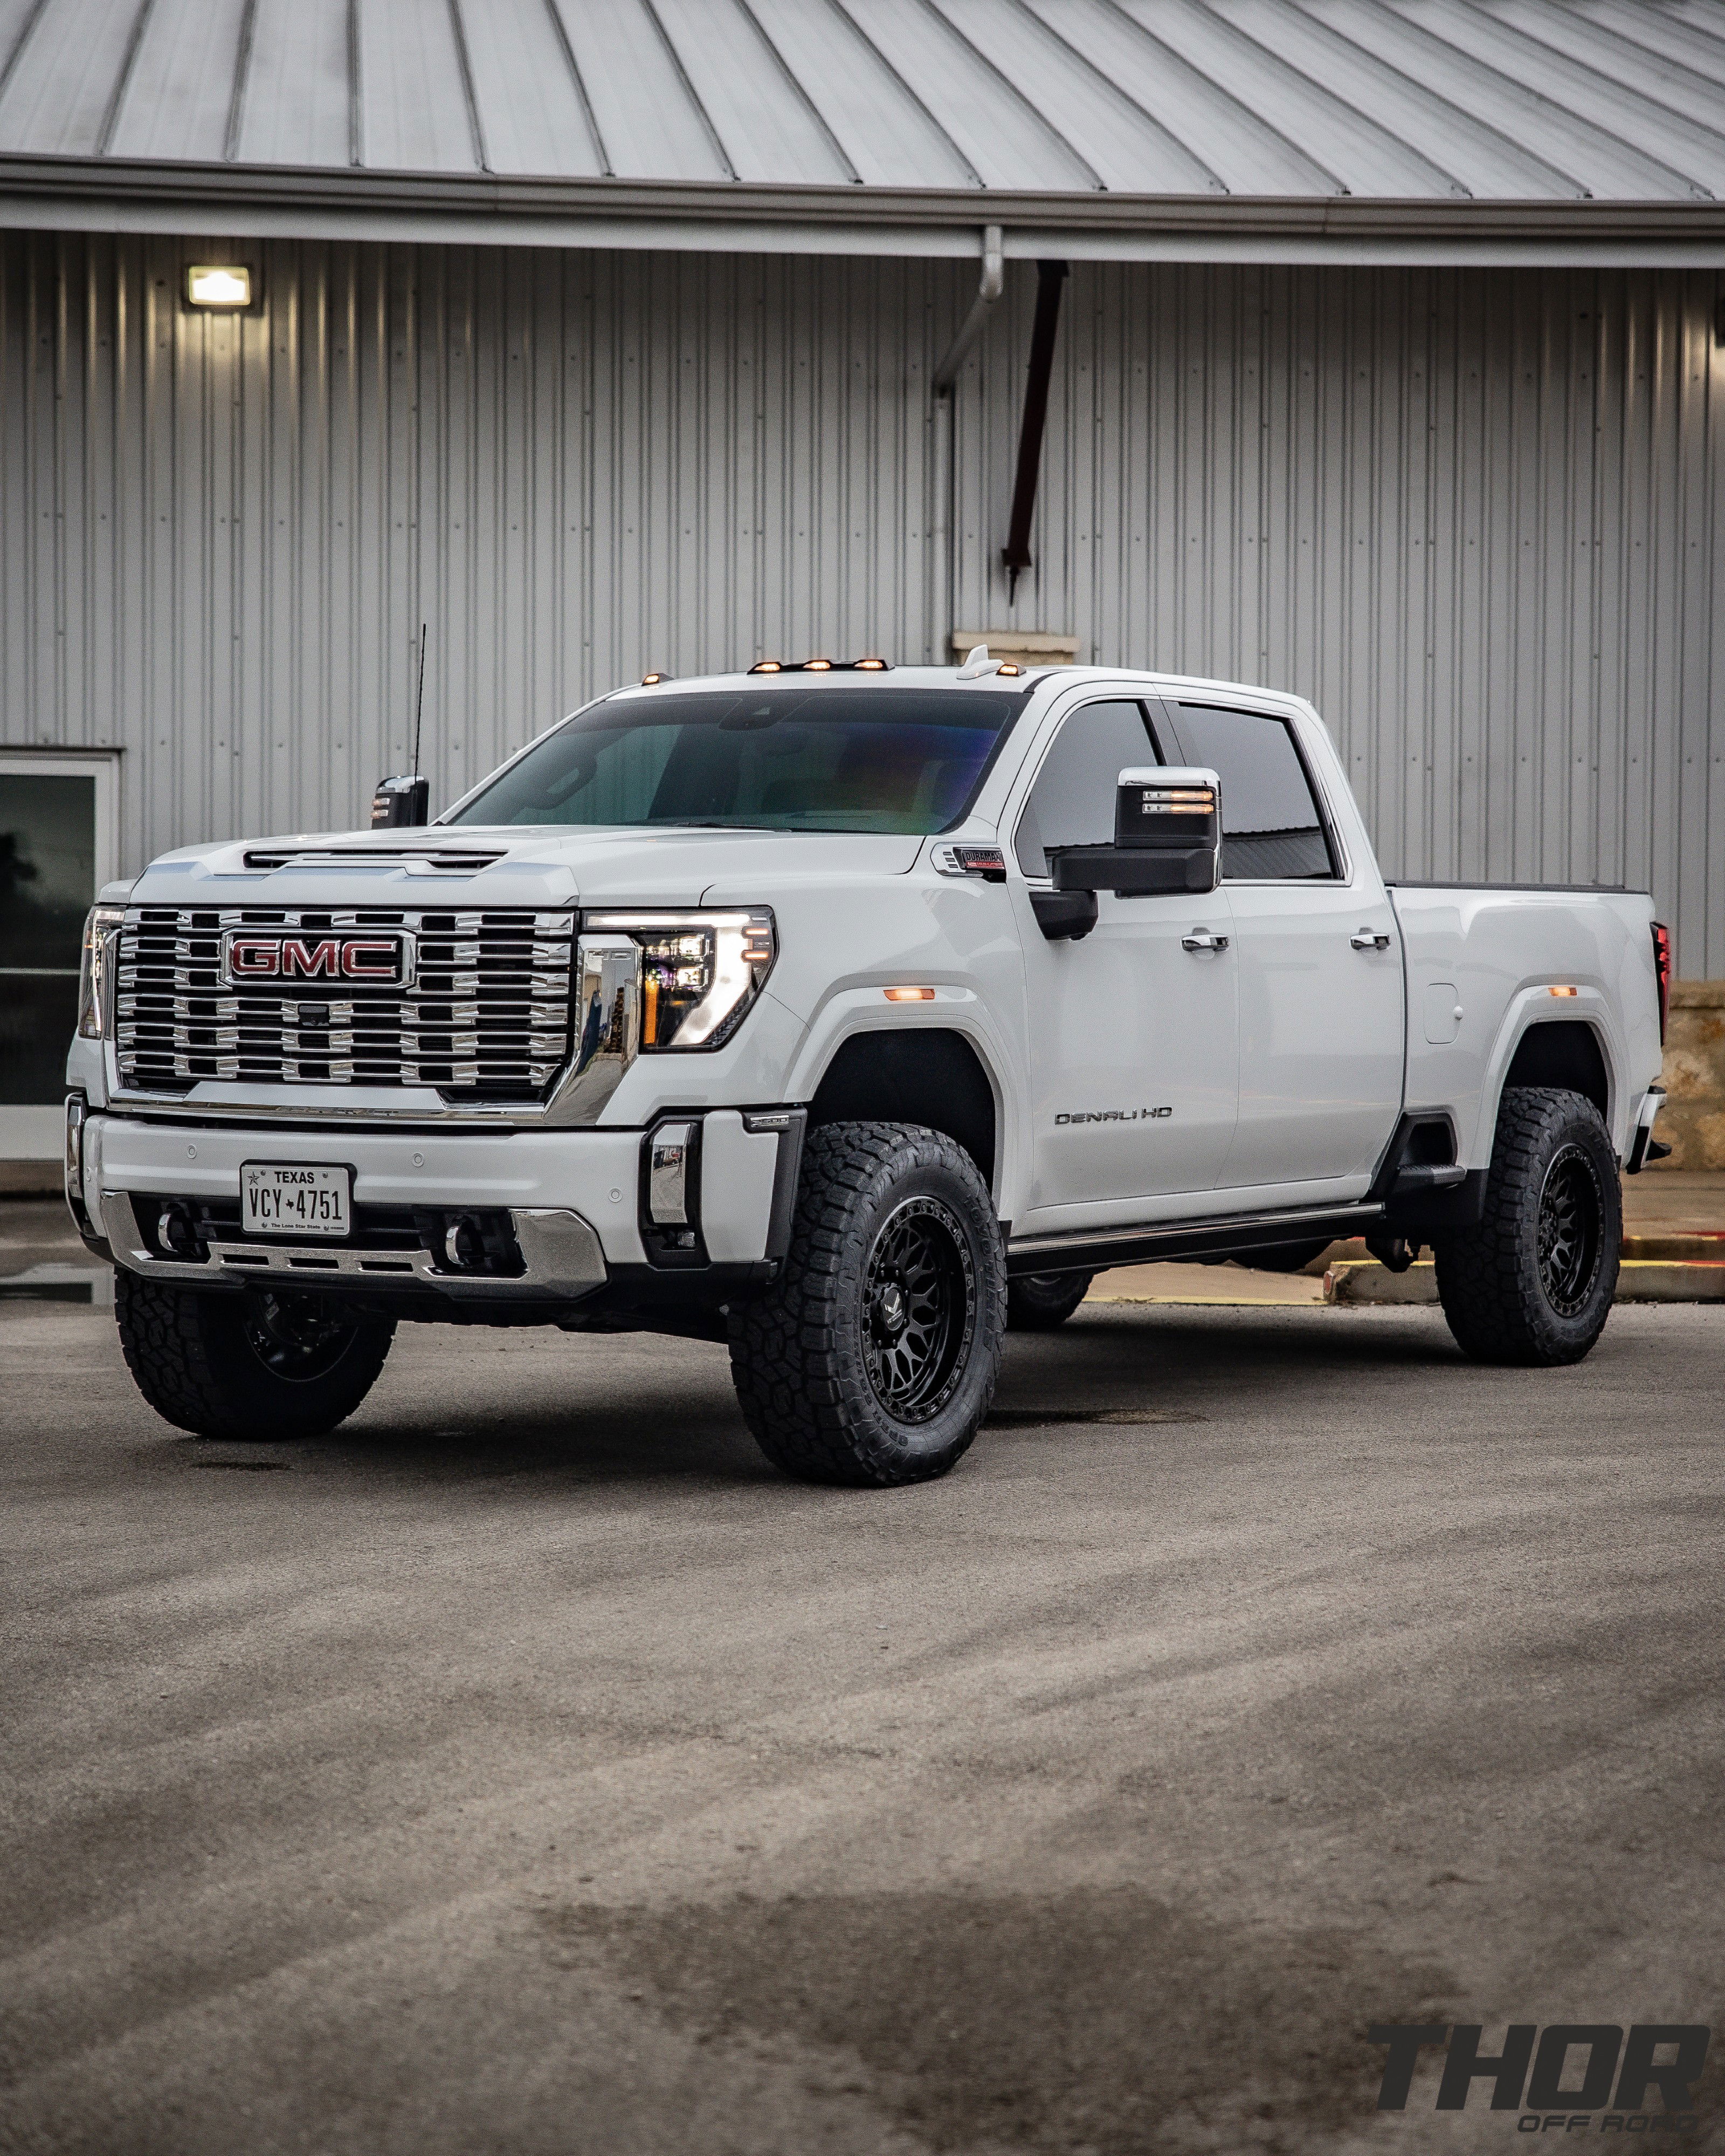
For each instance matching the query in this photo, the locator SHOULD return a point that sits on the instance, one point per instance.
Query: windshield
(826, 759)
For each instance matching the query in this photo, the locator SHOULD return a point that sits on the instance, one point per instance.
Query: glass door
(56, 851)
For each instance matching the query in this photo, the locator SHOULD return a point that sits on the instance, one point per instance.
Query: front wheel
(872, 1358)
(1533, 1283)
(260, 1366)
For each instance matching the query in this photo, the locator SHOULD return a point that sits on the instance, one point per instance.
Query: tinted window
(1072, 802)
(1270, 825)
(826, 759)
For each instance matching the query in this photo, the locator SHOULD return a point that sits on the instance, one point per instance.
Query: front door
(1133, 1046)
(1321, 1021)
(56, 838)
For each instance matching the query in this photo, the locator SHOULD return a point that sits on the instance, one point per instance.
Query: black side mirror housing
(1168, 836)
(1064, 915)
(400, 802)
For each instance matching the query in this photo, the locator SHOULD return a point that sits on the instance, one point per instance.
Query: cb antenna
(419, 704)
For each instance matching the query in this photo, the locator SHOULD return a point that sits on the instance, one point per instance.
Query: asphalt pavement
(527, 1768)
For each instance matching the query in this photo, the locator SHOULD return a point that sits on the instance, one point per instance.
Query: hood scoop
(414, 860)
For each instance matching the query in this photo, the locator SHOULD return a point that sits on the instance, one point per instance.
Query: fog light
(177, 1232)
(219, 284)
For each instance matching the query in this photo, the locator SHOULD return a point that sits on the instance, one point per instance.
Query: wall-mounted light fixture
(219, 284)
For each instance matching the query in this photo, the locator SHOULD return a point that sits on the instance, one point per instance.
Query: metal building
(605, 334)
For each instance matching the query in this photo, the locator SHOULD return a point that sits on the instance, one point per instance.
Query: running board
(1093, 1250)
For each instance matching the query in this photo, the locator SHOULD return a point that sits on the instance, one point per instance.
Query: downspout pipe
(993, 284)
(943, 551)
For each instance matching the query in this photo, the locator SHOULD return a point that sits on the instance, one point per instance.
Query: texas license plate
(286, 1197)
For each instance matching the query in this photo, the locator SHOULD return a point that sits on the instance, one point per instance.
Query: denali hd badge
(1114, 1116)
(384, 961)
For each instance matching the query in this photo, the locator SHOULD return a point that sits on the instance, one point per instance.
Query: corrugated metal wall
(1471, 515)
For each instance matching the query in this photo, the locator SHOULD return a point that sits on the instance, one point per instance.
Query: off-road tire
(197, 1359)
(802, 1351)
(1533, 1283)
(1037, 1302)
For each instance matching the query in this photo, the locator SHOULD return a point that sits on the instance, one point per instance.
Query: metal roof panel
(532, 116)
(296, 105)
(180, 88)
(415, 114)
(896, 104)
(649, 123)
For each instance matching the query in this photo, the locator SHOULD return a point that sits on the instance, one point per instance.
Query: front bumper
(578, 1203)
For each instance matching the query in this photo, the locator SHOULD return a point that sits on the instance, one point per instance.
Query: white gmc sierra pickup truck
(847, 1013)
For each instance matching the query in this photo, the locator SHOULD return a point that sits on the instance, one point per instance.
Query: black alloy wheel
(920, 1295)
(1571, 1218)
(1037, 1302)
(298, 1338)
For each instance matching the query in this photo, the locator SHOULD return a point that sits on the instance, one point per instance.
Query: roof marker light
(653, 680)
(817, 665)
(1006, 666)
(871, 665)
(767, 666)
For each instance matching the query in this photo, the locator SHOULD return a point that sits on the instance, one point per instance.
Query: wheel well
(917, 1075)
(1563, 1053)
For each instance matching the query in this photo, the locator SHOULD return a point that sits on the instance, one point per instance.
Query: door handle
(1368, 939)
(1201, 939)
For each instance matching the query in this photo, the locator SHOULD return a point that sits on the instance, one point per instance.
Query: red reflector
(1662, 972)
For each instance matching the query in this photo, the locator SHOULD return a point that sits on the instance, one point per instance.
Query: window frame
(1152, 709)
(1341, 861)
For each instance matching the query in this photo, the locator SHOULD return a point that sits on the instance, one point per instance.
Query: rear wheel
(253, 1365)
(872, 1358)
(1037, 1302)
(1533, 1283)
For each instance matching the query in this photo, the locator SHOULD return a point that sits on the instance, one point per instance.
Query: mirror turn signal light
(908, 995)
(1563, 992)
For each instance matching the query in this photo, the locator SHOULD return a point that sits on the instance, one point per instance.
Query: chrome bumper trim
(561, 1251)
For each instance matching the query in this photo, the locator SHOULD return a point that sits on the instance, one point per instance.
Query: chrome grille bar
(487, 1012)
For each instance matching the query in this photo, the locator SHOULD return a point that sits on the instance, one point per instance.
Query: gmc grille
(486, 1017)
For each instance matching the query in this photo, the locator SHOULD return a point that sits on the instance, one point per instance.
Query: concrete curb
(1640, 1280)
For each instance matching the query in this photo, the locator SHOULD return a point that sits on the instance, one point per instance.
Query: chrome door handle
(1368, 939)
(1201, 939)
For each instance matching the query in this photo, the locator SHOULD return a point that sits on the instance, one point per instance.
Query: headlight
(699, 972)
(95, 971)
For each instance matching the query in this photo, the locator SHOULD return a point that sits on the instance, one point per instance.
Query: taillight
(1662, 972)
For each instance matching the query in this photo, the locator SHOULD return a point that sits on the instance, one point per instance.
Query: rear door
(1321, 1021)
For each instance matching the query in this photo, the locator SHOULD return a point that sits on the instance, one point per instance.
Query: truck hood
(472, 868)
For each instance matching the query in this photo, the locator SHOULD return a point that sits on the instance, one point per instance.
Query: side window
(1270, 823)
(1072, 802)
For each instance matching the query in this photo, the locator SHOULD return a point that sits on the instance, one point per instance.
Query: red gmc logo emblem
(382, 959)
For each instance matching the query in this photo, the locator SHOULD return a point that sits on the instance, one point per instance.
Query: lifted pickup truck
(846, 1013)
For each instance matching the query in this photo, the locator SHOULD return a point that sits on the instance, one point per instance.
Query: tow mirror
(401, 800)
(1168, 836)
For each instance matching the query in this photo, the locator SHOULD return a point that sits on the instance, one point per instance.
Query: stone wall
(1692, 1123)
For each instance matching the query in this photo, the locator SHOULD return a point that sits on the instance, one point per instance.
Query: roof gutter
(111, 194)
